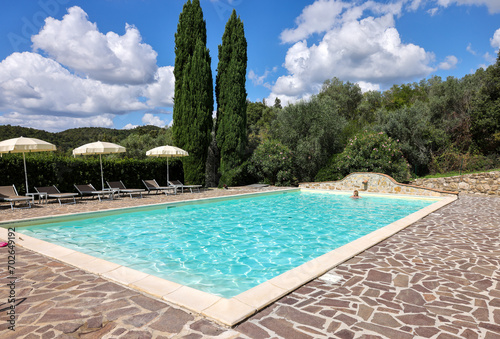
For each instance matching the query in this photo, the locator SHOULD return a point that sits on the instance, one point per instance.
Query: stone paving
(438, 278)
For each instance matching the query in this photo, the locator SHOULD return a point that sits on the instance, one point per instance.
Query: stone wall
(487, 183)
(375, 182)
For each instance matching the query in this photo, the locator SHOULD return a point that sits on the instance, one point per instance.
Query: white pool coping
(226, 311)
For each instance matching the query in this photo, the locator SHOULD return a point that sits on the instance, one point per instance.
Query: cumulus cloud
(161, 91)
(86, 79)
(150, 119)
(449, 62)
(34, 84)
(367, 86)
(318, 17)
(492, 5)
(495, 40)
(55, 123)
(130, 126)
(359, 48)
(77, 43)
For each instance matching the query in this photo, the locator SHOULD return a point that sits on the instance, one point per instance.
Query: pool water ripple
(226, 247)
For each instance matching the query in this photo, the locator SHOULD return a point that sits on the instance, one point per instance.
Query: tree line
(413, 129)
(408, 130)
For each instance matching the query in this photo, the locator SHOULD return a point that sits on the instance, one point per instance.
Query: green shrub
(272, 163)
(451, 160)
(238, 176)
(375, 152)
(45, 169)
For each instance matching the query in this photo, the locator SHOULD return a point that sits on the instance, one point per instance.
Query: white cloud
(470, 50)
(433, 11)
(150, 119)
(88, 79)
(318, 17)
(36, 85)
(489, 58)
(260, 80)
(492, 5)
(367, 86)
(130, 126)
(76, 43)
(414, 4)
(161, 92)
(360, 49)
(495, 40)
(55, 123)
(449, 62)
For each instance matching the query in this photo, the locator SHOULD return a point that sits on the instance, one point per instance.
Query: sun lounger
(152, 185)
(90, 190)
(122, 189)
(178, 184)
(53, 192)
(9, 193)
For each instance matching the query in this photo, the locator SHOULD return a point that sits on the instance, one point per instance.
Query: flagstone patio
(438, 278)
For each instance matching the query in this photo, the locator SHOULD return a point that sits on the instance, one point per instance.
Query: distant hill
(72, 138)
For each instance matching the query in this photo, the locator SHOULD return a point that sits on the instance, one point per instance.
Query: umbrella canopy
(100, 148)
(167, 152)
(24, 145)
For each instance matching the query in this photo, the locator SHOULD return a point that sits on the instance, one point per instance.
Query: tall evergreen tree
(231, 97)
(193, 97)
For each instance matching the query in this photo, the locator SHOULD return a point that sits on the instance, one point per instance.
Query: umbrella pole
(102, 173)
(168, 179)
(25, 173)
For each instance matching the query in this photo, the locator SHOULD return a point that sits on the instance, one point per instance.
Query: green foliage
(373, 152)
(419, 137)
(45, 169)
(399, 96)
(371, 102)
(230, 92)
(190, 28)
(312, 131)
(192, 129)
(259, 120)
(485, 124)
(345, 97)
(238, 176)
(138, 144)
(272, 163)
(193, 92)
(451, 160)
(69, 139)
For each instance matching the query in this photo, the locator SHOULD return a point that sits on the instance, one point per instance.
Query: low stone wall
(374, 182)
(487, 183)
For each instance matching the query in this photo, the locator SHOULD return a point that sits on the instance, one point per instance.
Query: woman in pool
(355, 195)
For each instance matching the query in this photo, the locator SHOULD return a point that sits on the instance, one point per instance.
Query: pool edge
(236, 309)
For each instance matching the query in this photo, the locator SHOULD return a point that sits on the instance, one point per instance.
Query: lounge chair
(152, 185)
(122, 189)
(9, 193)
(178, 184)
(53, 192)
(90, 190)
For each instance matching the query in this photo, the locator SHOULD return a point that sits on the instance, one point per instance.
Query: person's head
(355, 193)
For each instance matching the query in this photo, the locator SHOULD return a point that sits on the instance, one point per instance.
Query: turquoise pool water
(225, 247)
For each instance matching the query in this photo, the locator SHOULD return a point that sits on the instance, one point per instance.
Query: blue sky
(109, 63)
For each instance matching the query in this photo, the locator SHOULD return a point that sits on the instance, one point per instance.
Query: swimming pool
(227, 246)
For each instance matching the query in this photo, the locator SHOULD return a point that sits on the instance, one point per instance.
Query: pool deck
(439, 277)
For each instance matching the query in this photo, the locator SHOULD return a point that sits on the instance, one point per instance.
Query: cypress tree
(231, 97)
(197, 112)
(192, 106)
